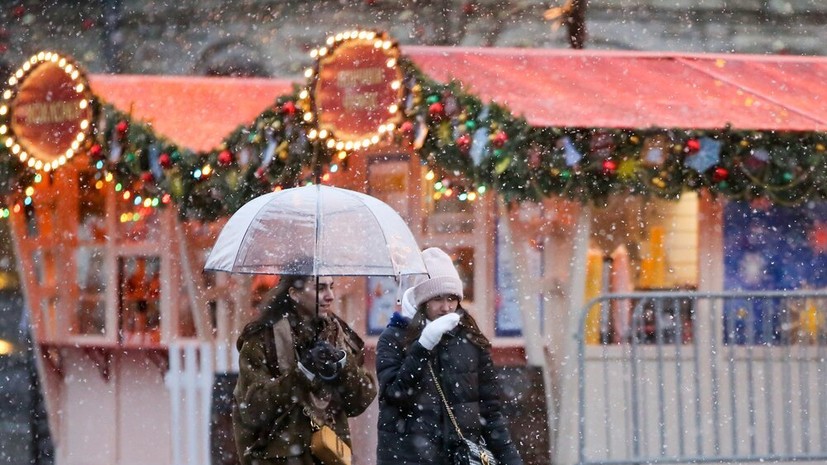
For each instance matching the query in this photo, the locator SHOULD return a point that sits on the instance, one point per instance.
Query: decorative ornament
(464, 143)
(569, 151)
(147, 177)
(654, 150)
(499, 139)
(407, 129)
(355, 94)
(121, 128)
(289, 108)
(627, 169)
(165, 161)
(602, 144)
(225, 158)
(692, 146)
(609, 167)
(437, 111)
(96, 152)
(720, 174)
(708, 154)
(47, 112)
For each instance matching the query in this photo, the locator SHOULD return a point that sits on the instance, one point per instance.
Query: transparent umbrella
(316, 231)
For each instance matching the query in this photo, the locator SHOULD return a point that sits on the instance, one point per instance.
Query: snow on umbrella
(316, 231)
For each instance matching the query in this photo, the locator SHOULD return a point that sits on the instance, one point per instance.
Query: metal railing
(685, 377)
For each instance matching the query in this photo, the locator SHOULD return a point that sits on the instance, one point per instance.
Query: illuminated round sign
(355, 91)
(46, 112)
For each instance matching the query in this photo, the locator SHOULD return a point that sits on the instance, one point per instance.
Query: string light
(82, 98)
(391, 52)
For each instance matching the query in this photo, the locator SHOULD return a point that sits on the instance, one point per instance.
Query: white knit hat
(443, 277)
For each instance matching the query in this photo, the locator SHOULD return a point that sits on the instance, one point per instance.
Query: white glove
(435, 329)
(408, 306)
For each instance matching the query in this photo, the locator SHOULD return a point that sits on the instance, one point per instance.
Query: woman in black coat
(414, 427)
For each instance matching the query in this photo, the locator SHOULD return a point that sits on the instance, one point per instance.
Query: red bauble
(464, 143)
(225, 158)
(720, 174)
(288, 108)
(499, 139)
(693, 145)
(96, 152)
(436, 110)
(609, 166)
(147, 176)
(407, 128)
(121, 127)
(165, 161)
(259, 174)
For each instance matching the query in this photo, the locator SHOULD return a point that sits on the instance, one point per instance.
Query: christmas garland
(469, 146)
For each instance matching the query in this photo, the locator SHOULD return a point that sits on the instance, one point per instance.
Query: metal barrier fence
(688, 377)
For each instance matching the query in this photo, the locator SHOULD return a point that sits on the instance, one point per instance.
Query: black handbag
(466, 451)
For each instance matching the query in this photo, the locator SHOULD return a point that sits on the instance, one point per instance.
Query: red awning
(548, 87)
(639, 90)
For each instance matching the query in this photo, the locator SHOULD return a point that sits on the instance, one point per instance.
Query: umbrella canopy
(316, 231)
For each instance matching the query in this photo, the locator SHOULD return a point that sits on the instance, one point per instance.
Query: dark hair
(466, 322)
(275, 305)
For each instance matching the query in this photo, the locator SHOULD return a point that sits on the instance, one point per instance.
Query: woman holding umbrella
(301, 366)
(433, 357)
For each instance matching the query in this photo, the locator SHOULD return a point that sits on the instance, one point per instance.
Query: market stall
(529, 166)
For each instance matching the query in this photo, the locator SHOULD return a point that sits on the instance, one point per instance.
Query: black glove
(323, 360)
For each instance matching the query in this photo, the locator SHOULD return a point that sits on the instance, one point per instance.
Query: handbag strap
(445, 401)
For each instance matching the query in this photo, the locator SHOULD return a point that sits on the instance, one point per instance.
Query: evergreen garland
(471, 146)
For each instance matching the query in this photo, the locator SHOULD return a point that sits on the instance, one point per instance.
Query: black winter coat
(413, 426)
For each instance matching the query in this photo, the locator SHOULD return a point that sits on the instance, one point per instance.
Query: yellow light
(395, 85)
(3, 129)
(127, 195)
(147, 203)
(206, 170)
(472, 196)
(308, 116)
(99, 184)
(342, 155)
(391, 62)
(3, 110)
(7, 94)
(429, 175)
(326, 177)
(6, 347)
(330, 143)
(323, 133)
(29, 191)
(109, 177)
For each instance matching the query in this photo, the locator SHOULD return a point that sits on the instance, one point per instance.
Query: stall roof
(194, 112)
(549, 87)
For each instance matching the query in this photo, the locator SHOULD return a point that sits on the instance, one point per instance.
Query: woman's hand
(433, 331)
